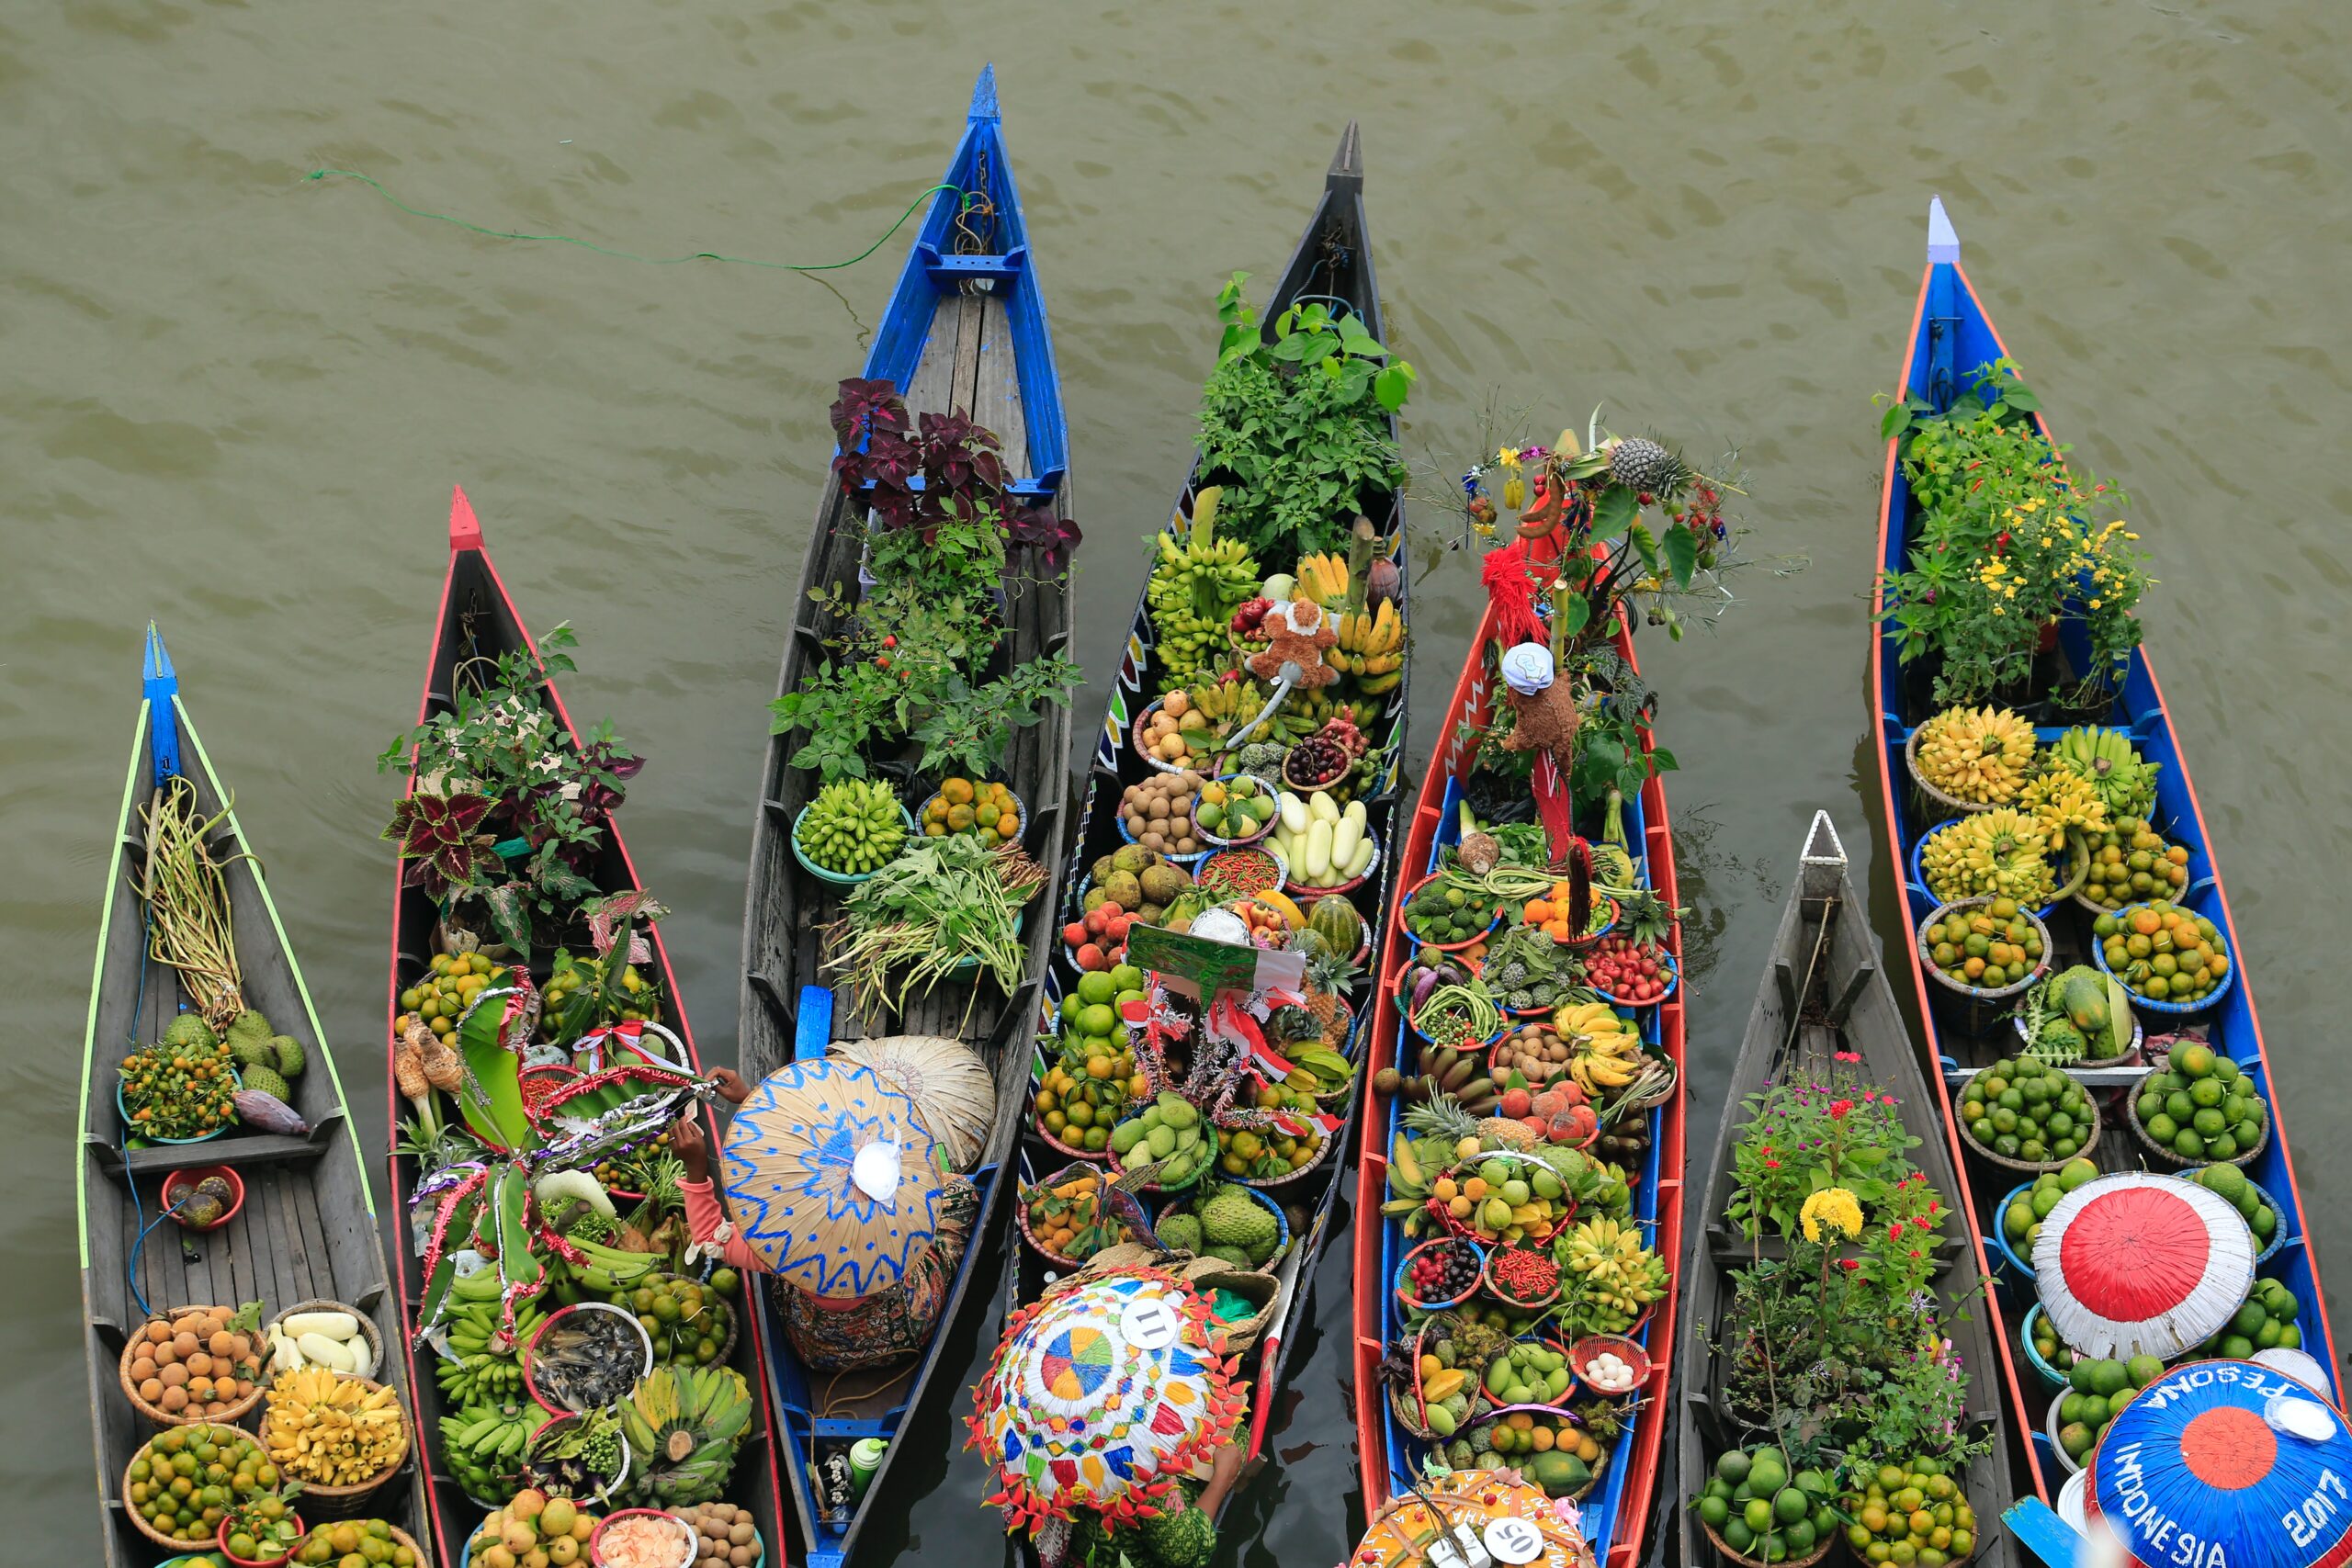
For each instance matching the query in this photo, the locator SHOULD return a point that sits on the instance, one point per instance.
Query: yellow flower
(2094, 604)
(2129, 535)
(1508, 456)
(2010, 591)
(1832, 1206)
(2033, 505)
(1994, 566)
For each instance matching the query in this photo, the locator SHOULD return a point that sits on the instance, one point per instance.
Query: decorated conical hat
(832, 1178)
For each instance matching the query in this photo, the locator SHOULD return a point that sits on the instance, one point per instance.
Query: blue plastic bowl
(1672, 975)
(124, 1111)
(2052, 1378)
(1919, 871)
(1999, 1237)
(1282, 1220)
(2202, 1004)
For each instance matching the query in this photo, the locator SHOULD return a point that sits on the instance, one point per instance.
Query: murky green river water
(235, 402)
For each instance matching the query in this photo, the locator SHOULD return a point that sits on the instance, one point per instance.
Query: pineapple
(1441, 1116)
(1647, 467)
(1329, 976)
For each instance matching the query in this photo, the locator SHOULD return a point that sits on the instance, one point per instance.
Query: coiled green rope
(971, 199)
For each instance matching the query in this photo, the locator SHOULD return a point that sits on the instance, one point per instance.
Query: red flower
(1838, 1109)
(1914, 1252)
(1772, 1165)
(1895, 1231)
(1852, 1263)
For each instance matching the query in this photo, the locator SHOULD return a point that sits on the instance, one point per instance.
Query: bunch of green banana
(483, 1445)
(1196, 585)
(1331, 1071)
(610, 1268)
(479, 1377)
(2125, 783)
(1619, 1276)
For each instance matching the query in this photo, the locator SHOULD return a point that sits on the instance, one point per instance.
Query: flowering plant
(1807, 1135)
(2006, 542)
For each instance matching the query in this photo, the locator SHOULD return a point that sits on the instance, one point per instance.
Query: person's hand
(732, 1086)
(1223, 1471)
(687, 1143)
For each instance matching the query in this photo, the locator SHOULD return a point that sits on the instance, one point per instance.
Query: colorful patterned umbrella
(1510, 1519)
(1101, 1394)
(832, 1178)
(2137, 1263)
(2226, 1463)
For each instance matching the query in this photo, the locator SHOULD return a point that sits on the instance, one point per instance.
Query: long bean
(188, 892)
(922, 916)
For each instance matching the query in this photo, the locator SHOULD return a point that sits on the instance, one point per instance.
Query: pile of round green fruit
(2265, 1321)
(1170, 1132)
(2162, 952)
(1915, 1512)
(1763, 1512)
(853, 827)
(1527, 1374)
(1238, 809)
(2021, 1220)
(2055, 1353)
(2097, 1390)
(2022, 1110)
(1986, 947)
(2132, 863)
(1442, 914)
(687, 1319)
(367, 1541)
(447, 988)
(2201, 1108)
(2260, 1216)
(186, 1480)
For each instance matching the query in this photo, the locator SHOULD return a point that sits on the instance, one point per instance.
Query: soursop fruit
(250, 1023)
(267, 1081)
(1231, 1216)
(291, 1059)
(1180, 1233)
(189, 1029)
(1225, 1253)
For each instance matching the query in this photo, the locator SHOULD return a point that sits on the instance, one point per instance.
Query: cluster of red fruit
(1099, 940)
(1626, 972)
(1560, 1113)
(1443, 1273)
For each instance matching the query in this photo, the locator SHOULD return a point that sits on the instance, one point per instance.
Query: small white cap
(873, 1170)
(1527, 668)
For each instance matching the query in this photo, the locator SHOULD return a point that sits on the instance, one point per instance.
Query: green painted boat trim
(293, 964)
(98, 977)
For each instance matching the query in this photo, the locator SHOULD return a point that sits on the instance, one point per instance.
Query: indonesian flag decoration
(2138, 1264)
(1102, 1393)
(2225, 1464)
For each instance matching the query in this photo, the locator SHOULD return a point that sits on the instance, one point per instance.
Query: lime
(1790, 1505)
(1733, 1466)
(1758, 1514)
(1096, 988)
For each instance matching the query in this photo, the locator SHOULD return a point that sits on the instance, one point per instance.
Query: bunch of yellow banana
(1222, 706)
(1608, 1048)
(1370, 648)
(1621, 1273)
(1324, 579)
(331, 1429)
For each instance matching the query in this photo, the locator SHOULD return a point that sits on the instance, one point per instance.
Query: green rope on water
(970, 200)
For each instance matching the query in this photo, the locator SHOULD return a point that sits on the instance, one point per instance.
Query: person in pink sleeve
(873, 1330)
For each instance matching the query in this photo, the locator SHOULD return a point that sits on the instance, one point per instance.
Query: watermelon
(1336, 921)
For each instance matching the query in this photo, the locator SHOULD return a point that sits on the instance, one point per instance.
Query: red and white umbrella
(2141, 1264)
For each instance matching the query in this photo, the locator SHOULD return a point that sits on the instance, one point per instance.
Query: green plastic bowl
(840, 878)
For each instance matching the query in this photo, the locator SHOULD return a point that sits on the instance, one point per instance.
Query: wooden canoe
(307, 1229)
(965, 330)
(1332, 262)
(1618, 1511)
(478, 620)
(1951, 335)
(1825, 992)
